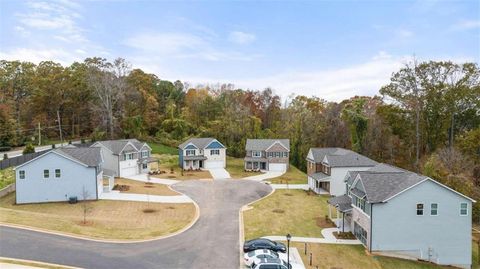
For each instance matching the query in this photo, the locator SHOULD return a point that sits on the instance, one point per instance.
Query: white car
(269, 263)
(256, 255)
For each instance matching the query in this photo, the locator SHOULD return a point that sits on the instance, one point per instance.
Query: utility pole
(417, 114)
(59, 127)
(39, 135)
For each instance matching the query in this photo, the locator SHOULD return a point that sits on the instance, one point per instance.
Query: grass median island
(292, 176)
(327, 256)
(144, 187)
(170, 162)
(7, 177)
(105, 220)
(287, 211)
(236, 168)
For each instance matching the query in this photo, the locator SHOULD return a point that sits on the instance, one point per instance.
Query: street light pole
(288, 249)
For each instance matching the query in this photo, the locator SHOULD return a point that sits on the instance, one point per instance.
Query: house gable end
(277, 147)
(215, 145)
(191, 146)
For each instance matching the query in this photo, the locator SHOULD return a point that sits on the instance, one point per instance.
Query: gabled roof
(200, 143)
(263, 144)
(89, 156)
(339, 157)
(342, 202)
(384, 182)
(116, 146)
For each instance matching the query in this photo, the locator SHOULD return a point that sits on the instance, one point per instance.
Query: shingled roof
(89, 156)
(200, 143)
(263, 144)
(339, 157)
(116, 146)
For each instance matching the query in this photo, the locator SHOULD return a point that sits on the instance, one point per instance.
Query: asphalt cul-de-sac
(212, 242)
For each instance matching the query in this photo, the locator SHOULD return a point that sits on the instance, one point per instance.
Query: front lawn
(106, 219)
(7, 177)
(287, 211)
(144, 187)
(292, 176)
(327, 256)
(236, 168)
(169, 164)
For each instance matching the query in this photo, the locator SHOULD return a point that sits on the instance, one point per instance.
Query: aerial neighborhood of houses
(391, 211)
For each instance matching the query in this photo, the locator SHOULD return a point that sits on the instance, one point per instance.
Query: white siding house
(60, 174)
(202, 153)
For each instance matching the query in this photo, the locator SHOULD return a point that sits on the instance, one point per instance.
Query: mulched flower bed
(119, 187)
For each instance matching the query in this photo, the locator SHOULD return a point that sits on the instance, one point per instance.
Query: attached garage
(214, 164)
(128, 171)
(277, 167)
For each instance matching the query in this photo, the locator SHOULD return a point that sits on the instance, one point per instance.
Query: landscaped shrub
(29, 148)
(5, 156)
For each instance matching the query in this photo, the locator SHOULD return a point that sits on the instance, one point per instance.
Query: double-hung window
(21, 174)
(128, 156)
(256, 154)
(145, 154)
(58, 173)
(434, 209)
(190, 152)
(46, 173)
(463, 209)
(285, 154)
(419, 209)
(214, 152)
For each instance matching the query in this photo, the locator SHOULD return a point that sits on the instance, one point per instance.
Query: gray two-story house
(267, 155)
(399, 213)
(327, 167)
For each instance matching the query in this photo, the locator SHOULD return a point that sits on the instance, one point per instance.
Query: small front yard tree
(86, 207)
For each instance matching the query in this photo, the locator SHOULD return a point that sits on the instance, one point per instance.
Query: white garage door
(214, 164)
(128, 171)
(277, 167)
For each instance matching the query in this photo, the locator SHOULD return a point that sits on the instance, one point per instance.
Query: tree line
(425, 119)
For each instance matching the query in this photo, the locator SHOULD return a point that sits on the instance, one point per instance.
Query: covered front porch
(194, 162)
(255, 164)
(339, 211)
(319, 183)
(144, 164)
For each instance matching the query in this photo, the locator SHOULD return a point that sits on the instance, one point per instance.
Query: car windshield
(251, 253)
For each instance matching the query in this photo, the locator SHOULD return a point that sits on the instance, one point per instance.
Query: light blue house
(398, 213)
(201, 153)
(60, 174)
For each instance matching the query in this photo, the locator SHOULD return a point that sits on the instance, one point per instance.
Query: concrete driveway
(212, 242)
(219, 173)
(266, 175)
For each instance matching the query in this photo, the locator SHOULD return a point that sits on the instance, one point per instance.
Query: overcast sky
(330, 49)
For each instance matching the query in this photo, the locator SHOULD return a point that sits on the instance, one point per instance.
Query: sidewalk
(290, 186)
(327, 233)
(266, 175)
(114, 195)
(144, 178)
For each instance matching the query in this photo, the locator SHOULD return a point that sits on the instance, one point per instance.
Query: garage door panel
(277, 167)
(128, 171)
(214, 164)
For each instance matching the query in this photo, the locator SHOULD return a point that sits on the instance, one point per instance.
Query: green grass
(292, 176)
(236, 168)
(287, 211)
(327, 256)
(7, 177)
(163, 149)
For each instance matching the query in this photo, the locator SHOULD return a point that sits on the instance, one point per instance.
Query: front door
(200, 164)
(263, 166)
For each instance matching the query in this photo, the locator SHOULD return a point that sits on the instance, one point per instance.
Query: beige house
(267, 155)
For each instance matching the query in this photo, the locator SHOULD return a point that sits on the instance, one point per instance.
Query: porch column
(343, 222)
(329, 211)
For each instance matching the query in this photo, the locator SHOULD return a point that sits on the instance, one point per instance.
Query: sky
(330, 49)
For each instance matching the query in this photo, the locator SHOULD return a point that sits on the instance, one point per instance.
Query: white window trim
(466, 215)
(44, 173)
(60, 172)
(20, 174)
(214, 152)
(431, 209)
(256, 154)
(189, 150)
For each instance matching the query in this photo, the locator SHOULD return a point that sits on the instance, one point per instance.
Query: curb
(34, 263)
(241, 227)
(114, 241)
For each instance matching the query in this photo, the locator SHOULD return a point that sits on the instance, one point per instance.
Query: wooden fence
(15, 161)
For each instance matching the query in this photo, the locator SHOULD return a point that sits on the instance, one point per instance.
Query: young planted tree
(86, 206)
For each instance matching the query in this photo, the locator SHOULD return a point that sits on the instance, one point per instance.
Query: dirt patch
(118, 187)
(149, 210)
(340, 235)
(279, 211)
(288, 194)
(149, 183)
(170, 207)
(148, 186)
(172, 177)
(324, 222)
(87, 223)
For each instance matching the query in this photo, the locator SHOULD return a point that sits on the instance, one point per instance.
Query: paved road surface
(211, 243)
(15, 153)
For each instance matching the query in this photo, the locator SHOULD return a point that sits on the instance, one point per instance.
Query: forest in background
(425, 119)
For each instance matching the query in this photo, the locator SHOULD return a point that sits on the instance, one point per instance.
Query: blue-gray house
(399, 213)
(201, 153)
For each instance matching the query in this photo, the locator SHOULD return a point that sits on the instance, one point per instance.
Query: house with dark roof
(125, 157)
(202, 153)
(59, 175)
(267, 155)
(327, 167)
(395, 212)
